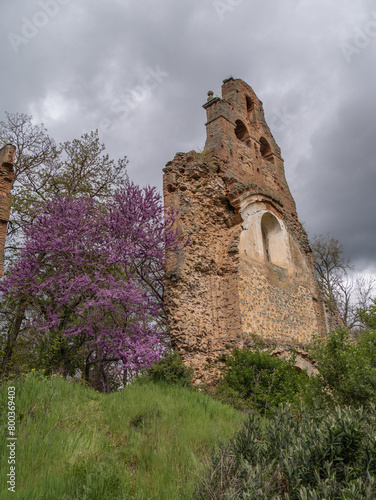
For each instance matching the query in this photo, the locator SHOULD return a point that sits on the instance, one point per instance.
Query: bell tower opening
(266, 150)
(250, 104)
(250, 107)
(242, 133)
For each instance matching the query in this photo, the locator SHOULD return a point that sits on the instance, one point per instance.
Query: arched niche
(263, 236)
(266, 150)
(274, 241)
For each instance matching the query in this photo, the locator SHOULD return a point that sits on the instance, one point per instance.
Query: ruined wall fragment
(248, 269)
(7, 154)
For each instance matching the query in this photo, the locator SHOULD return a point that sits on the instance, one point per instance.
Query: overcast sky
(139, 71)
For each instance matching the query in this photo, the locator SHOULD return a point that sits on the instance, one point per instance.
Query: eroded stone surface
(247, 270)
(6, 180)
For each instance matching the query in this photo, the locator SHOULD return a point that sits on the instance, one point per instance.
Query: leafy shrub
(171, 370)
(258, 380)
(347, 367)
(368, 315)
(297, 455)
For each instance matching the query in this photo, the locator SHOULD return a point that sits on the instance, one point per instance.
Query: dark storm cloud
(340, 176)
(140, 71)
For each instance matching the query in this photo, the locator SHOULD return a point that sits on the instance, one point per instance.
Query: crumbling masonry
(6, 181)
(247, 271)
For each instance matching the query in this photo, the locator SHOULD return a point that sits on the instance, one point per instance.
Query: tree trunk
(12, 337)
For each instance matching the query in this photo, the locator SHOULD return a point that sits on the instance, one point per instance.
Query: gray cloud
(312, 64)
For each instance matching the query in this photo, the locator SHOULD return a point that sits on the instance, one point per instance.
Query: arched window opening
(250, 104)
(266, 150)
(241, 131)
(273, 240)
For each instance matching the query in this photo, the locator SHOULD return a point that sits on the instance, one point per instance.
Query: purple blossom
(94, 276)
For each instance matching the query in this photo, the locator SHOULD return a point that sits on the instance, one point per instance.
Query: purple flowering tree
(89, 283)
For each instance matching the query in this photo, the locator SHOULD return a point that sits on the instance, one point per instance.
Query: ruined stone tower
(247, 270)
(6, 180)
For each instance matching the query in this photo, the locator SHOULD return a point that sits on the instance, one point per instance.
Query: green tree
(347, 367)
(44, 169)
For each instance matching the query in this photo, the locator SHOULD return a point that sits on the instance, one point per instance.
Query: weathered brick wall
(6, 180)
(248, 267)
(202, 281)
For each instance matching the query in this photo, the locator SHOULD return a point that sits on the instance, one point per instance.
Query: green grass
(148, 441)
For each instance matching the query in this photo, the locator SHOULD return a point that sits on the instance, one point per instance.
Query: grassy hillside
(145, 442)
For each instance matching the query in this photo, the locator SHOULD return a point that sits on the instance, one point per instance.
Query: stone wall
(6, 180)
(247, 270)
